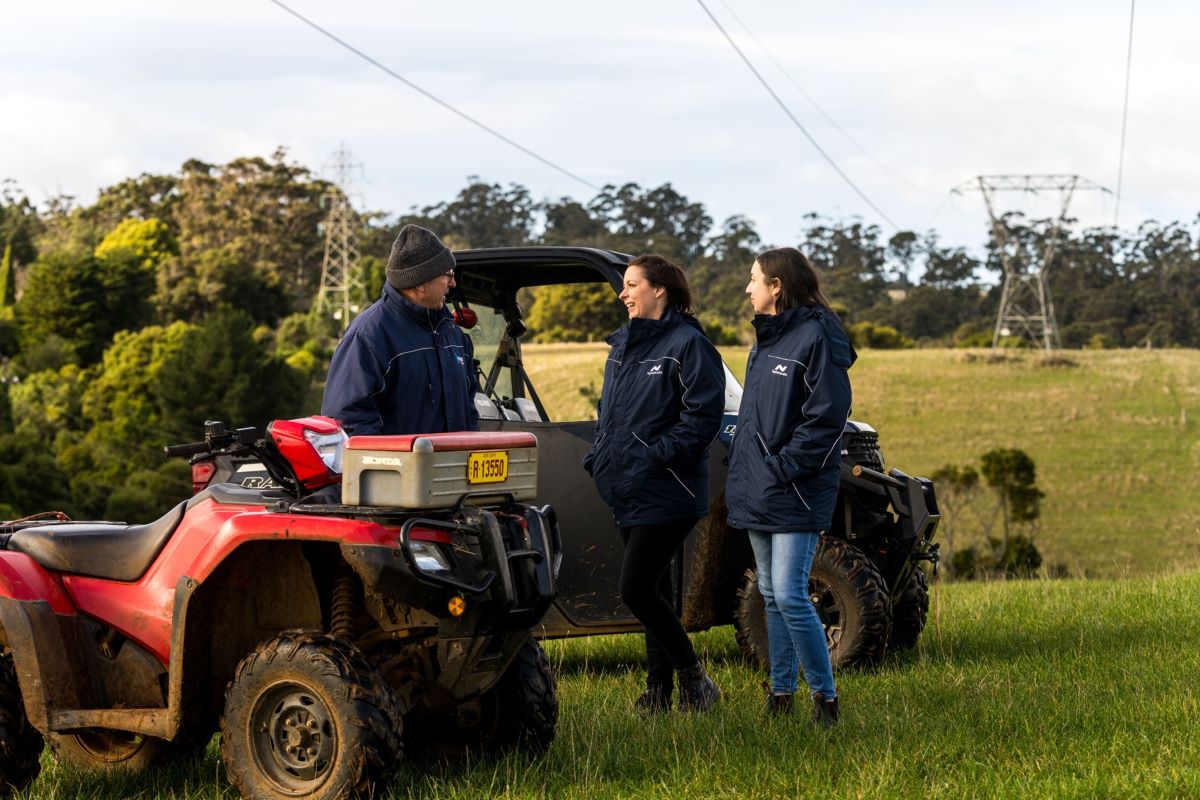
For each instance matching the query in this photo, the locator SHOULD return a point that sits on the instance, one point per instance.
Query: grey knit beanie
(418, 255)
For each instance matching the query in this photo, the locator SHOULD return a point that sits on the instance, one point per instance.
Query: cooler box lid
(443, 442)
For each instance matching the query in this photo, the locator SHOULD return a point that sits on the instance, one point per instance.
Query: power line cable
(812, 101)
(1124, 115)
(435, 98)
(792, 117)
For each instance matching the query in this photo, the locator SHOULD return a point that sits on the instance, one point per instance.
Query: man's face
(432, 293)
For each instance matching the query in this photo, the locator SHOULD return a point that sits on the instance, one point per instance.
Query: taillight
(202, 473)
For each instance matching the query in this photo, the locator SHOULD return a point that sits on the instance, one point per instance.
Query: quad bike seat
(107, 550)
(115, 551)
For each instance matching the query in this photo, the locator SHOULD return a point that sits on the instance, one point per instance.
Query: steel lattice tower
(1026, 308)
(340, 277)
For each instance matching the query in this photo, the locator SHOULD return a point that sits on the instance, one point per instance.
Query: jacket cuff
(777, 467)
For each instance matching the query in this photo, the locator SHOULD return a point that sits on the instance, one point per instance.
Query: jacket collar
(641, 329)
(770, 327)
(426, 316)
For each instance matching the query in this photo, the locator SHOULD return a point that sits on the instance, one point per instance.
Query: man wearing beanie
(403, 365)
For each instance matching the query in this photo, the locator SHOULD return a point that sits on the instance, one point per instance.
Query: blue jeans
(794, 632)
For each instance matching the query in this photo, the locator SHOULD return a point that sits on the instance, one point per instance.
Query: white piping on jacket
(673, 475)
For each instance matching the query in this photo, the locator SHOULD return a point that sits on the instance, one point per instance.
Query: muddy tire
(307, 715)
(750, 622)
(851, 599)
(20, 743)
(519, 713)
(910, 609)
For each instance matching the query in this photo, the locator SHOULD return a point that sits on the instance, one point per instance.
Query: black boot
(780, 705)
(825, 712)
(697, 692)
(655, 700)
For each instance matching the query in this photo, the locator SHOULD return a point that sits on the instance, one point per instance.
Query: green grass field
(1116, 438)
(1043, 689)
(1076, 689)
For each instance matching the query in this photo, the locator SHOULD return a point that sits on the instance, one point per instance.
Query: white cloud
(616, 92)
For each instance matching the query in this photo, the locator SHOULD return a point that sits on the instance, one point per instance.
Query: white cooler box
(434, 470)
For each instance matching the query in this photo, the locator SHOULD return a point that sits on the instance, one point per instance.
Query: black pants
(646, 588)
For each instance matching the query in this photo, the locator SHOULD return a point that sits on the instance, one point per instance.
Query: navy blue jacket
(402, 368)
(660, 409)
(785, 458)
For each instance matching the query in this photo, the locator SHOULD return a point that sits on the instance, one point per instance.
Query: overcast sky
(923, 95)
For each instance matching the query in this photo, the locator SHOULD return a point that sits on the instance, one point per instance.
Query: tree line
(171, 299)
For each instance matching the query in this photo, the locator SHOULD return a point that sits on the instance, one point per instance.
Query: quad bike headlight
(429, 557)
(329, 447)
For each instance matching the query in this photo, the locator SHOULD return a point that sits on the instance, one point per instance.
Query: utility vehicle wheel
(750, 622)
(519, 713)
(307, 715)
(851, 599)
(20, 743)
(910, 608)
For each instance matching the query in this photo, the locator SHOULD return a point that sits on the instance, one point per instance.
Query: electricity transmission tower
(340, 277)
(1026, 308)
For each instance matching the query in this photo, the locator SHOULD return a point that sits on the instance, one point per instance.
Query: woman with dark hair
(784, 462)
(660, 409)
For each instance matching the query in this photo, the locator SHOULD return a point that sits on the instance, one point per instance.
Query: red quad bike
(317, 633)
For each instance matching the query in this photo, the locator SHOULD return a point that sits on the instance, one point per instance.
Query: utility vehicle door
(552, 391)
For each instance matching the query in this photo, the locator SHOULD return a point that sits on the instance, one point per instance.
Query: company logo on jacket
(655, 370)
(780, 369)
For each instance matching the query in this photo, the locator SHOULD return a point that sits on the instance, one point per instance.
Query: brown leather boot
(780, 705)
(825, 712)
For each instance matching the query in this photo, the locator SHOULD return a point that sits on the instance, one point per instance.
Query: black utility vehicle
(867, 580)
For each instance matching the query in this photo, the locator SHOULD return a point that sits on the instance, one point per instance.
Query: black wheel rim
(293, 737)
(110, 747)
(829, 609)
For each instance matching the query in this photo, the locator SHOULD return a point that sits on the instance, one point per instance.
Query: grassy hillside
(1116, 437)
(1039, 689)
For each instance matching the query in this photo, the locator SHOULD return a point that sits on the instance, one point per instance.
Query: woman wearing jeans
(660, 409)
(784, 463)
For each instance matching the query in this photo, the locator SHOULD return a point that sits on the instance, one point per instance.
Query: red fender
(209, 533)
(22, 578)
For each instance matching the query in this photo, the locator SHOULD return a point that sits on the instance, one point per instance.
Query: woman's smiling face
(642, 298)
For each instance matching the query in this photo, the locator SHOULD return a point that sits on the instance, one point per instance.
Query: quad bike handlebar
(186, 450)
(216, 438)
(240, 442)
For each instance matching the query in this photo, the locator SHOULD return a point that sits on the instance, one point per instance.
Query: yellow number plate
(487, 467)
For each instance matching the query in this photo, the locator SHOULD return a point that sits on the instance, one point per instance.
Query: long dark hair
(798, 281)
(661, 272)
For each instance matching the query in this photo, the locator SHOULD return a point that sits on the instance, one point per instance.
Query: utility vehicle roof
(487, 273)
